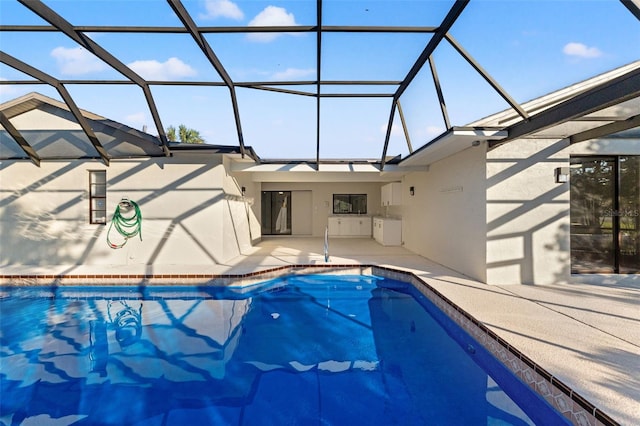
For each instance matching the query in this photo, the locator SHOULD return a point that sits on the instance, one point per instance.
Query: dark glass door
(276, 213)
(629, 214)
(592, 194)
(605, 214)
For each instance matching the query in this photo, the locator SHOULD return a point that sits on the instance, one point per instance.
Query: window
(97, 196)
(349, 203)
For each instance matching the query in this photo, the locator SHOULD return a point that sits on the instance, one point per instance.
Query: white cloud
(6, 89)
(172, 68)
(270, 16)
(222, 9)
(581, 50)
(396, 129)
(77, 61)
(434, 130)
(136, 120)
(294, 73)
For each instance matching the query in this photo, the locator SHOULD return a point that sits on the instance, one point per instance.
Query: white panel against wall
(302, 211)
(234, 184)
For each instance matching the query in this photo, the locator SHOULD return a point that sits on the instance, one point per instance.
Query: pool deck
(586, 335)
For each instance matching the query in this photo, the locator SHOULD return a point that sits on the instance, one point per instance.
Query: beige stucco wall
(445, 219)
(527, 213)
(192, 212)
(44, 119)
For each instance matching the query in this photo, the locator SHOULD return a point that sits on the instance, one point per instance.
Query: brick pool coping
(572, 405)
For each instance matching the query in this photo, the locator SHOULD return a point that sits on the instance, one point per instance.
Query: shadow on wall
(562, 245)
(41, 226)
(523, 205)
(526, 237)
(28, 238)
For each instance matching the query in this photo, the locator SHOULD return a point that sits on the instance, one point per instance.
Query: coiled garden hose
(128, 226)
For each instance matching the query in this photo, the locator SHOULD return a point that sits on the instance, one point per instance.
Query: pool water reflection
(331, 350)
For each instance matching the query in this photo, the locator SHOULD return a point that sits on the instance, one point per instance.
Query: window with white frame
(98, 197)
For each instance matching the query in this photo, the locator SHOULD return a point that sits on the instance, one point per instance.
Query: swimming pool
(318, 349)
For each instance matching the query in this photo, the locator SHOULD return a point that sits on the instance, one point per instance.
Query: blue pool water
(304, 350)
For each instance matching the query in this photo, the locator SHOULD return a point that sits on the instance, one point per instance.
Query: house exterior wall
(528, 214)
(46, 118)
(192, 212)
(445, 219)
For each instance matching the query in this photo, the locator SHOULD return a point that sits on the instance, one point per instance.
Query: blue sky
(530, 47)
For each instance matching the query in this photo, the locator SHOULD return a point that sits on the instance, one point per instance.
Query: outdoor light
(244, 190)
(411, 191)
(562, 174)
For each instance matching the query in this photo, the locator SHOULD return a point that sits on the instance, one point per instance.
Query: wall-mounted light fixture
(412, 191)
(244, 190)
(561, 174)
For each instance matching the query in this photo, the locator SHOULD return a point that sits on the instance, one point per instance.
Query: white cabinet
(387, 232)
(377, 229)
(364, 230)
(345, 226)
(391, 194)
(334, 226)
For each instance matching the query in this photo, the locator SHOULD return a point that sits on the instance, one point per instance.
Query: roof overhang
(309, 171)
(451, 142)
(604, 105)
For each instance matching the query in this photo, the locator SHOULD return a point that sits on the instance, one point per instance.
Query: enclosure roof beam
(486, 76)
(613, 92)
(20, 140)
(606, 130)
(436, 83)
(190, 25)
(83, 40)
(633, 6)
(227, 29)
(318, 76)
(66, 97)
(438, 36)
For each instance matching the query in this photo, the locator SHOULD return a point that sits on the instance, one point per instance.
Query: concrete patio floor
(586, 335)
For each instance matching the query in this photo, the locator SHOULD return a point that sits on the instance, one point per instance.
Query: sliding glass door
(605, 214)
(276, 213)
(629, 214)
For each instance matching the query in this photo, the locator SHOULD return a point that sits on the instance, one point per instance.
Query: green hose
(127, 226)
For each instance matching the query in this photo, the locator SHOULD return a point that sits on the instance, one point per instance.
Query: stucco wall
(322, 198)
(527, 213)
(192, 212)
(445, 219)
